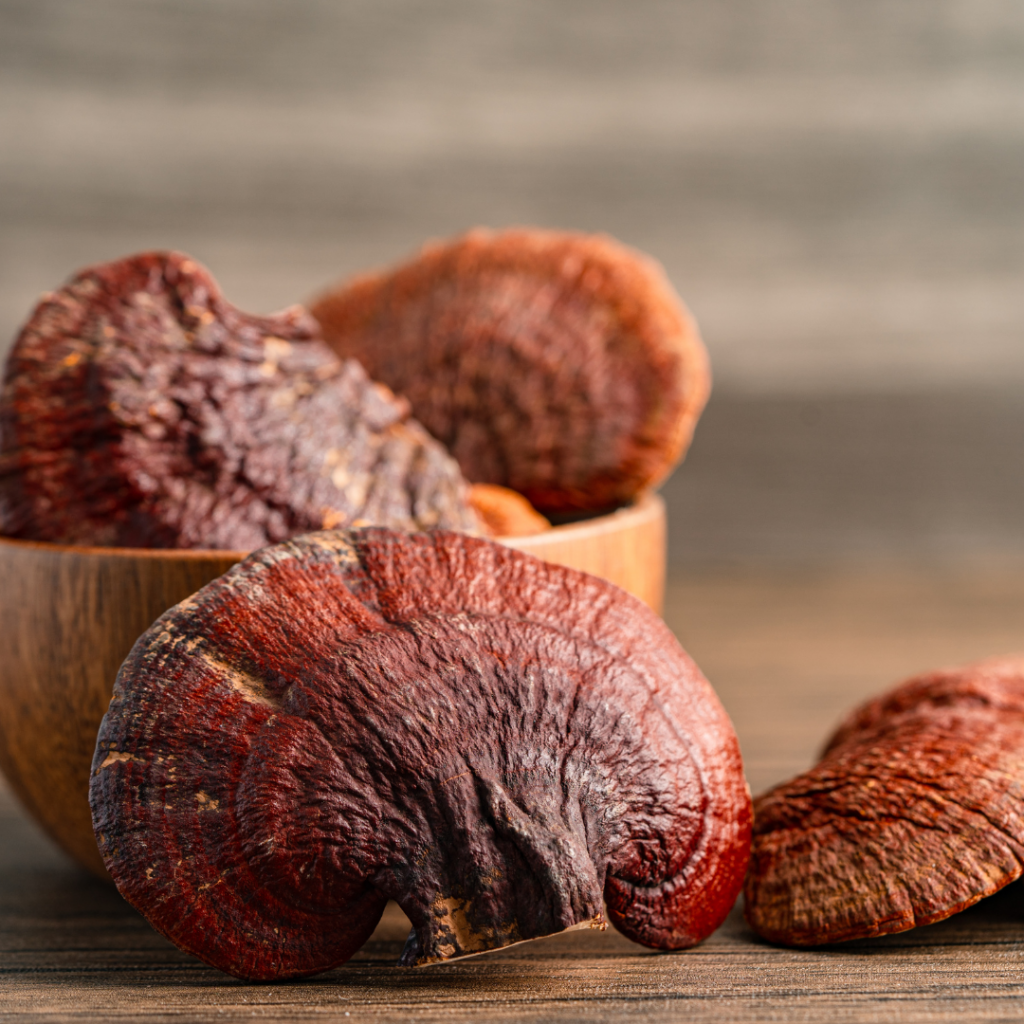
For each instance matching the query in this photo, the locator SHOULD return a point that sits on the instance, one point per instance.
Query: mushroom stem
(524, 874)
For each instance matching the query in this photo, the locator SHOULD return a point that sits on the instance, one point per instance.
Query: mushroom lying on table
(915, 811)
(499, 744)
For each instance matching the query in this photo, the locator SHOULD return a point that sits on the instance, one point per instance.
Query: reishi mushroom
(559, 364)
(915, 812)
(141, 409)
(505, 513)
(497, 743)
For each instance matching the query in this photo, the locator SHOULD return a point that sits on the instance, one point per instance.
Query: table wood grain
(788, 652)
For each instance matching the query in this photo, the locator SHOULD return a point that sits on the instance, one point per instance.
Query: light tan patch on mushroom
(251, 688)
(276, 348)
(207, 802)
(451, 913)
(116, 757)
(283, 399)
(333, 518)
(200, 313)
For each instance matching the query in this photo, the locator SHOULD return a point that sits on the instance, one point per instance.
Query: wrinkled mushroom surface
(492, 741)
(140, 409)
(562, 365)
(915, 812)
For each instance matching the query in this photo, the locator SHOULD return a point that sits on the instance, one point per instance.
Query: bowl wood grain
(70, 615)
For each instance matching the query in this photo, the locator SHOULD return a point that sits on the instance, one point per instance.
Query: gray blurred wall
(835, 188)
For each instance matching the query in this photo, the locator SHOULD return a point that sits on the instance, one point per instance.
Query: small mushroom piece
(504, 512)
(140, 409)
(492, 741)
(561, 365)
(915, 812)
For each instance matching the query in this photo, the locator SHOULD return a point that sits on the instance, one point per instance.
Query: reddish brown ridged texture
(493, 741)
(140, 409)
(915, 812)
(561, 365)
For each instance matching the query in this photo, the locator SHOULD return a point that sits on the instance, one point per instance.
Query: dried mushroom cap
(140, 409)
(492, 741)
(913, 814)
(561, 365)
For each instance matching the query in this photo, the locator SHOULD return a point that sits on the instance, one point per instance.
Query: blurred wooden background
(835, 188)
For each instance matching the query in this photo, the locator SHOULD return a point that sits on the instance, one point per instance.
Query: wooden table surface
(788, 653)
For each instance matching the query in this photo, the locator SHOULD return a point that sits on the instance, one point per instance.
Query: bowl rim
(645, 504)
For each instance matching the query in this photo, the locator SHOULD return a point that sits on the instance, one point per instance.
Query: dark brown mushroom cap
(915, 812)
(492, 741)
(561, 365)
(140, 409)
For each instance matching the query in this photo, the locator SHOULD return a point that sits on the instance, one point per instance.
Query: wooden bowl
(69, 617)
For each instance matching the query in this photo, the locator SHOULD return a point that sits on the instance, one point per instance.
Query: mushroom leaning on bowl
(498, 744)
